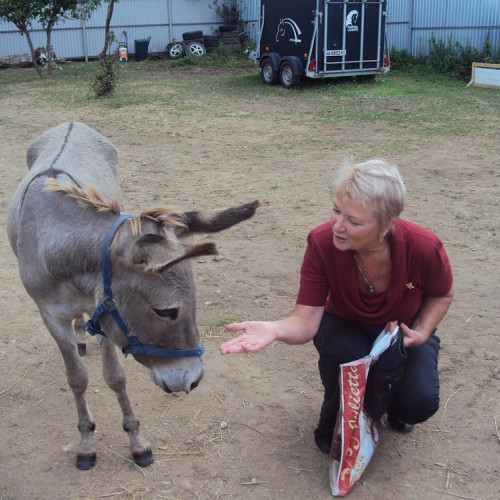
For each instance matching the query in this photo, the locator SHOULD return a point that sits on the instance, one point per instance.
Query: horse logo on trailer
(351, 20)
(285, 26)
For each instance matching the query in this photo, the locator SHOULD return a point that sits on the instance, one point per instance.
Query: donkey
(78, 255)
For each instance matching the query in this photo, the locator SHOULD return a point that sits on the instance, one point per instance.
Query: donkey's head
(153, 283)
(154, 286)
(154, 289)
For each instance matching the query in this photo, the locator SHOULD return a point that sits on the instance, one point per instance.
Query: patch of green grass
(423, 103)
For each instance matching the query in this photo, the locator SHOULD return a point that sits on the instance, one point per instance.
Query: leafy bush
(456, 59)
(402, 59)
(228, 10)
(105, 79)
(187, 60)
(449, 58)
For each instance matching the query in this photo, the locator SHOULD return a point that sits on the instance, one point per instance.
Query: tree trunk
(107, 40)
(48, 48)
(25, 32)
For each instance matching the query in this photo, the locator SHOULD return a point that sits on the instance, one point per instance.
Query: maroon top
(420, 266)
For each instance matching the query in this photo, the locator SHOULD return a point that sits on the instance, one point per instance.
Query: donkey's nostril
(194, 385)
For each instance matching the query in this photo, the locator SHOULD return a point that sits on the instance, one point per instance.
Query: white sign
(335, 53)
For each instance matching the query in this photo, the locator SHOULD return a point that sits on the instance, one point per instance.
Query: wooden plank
(485, 75)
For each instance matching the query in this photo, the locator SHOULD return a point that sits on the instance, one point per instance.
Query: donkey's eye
(170, 313)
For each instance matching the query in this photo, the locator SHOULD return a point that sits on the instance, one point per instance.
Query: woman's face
(354, 226)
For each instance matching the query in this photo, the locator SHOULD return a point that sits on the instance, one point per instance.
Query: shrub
(105, 79)
(402, 59)
(456, 59)
(228, 10)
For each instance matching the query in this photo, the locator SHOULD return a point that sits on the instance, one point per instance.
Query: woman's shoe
(323, 441)
(398, 425)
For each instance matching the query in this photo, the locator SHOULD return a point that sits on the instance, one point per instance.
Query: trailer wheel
(175, 50)
(287, 76)
(195, 49)
(267, 72)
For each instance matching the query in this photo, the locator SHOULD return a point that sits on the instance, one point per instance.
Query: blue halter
(108, 305)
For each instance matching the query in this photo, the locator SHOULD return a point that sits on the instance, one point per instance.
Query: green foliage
(48, 13)
(188, 60)
(446, 58)
(228, 10)
(23, 13)
(456, 59)
(106, 79)
(402, 59)
(20, 12)
(223, 53)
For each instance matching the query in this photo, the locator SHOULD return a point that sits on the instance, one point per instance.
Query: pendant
(371, 289)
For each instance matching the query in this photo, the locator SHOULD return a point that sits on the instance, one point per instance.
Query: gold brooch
(410, 285)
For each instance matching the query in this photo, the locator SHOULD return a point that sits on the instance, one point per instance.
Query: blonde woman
(362, 269)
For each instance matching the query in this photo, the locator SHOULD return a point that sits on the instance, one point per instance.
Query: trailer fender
(275, 59)
(291, 72)
(269, 68)
(298, 67)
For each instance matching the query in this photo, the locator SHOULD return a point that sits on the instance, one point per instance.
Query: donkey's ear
(157, 254)
(211, 221)
(189, 252)
(151, 250)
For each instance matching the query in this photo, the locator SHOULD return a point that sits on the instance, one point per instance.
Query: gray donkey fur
(57, 222)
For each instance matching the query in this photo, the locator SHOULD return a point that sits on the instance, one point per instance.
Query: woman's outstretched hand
(257, 334)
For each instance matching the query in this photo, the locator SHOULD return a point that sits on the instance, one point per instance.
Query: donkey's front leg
(77, 377)
(114, 374)
(80, 328)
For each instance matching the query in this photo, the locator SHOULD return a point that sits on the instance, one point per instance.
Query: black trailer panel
(357, 29)
(287, 27)
(321, 39)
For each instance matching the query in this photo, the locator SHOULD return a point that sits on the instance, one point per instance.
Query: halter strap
(108, 305)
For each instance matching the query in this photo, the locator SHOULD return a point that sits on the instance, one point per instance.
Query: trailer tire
(288, 77)
(267, 72)
(175, 50)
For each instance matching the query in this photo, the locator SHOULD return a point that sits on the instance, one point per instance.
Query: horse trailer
(320, 39)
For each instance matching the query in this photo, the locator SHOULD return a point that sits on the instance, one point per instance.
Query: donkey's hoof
(82, 349)
(85, 462)
(144, 458)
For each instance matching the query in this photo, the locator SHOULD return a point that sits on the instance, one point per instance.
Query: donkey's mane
(165, 215)
(88, 197)
(91, 198)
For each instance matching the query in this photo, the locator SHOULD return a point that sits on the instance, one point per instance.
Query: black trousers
(416, 396)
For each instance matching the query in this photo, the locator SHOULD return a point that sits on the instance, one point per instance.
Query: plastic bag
(356, 435)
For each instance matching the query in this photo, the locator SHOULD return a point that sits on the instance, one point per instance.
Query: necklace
(371, 286)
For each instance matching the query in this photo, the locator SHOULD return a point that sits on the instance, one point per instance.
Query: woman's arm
(431, 313)
(298, 328)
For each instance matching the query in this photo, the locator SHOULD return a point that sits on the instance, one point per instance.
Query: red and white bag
(355, 436)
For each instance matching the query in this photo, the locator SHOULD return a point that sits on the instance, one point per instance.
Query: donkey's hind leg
(77, 377)
(114, 374)
(79, 327)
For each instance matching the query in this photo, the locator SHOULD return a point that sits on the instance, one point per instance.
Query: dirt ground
(247, 431)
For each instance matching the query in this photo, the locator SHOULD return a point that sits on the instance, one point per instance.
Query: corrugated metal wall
(162, 20)
(250, 13)
(411, 24)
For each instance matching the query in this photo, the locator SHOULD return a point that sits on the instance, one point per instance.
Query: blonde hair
(376, 184)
